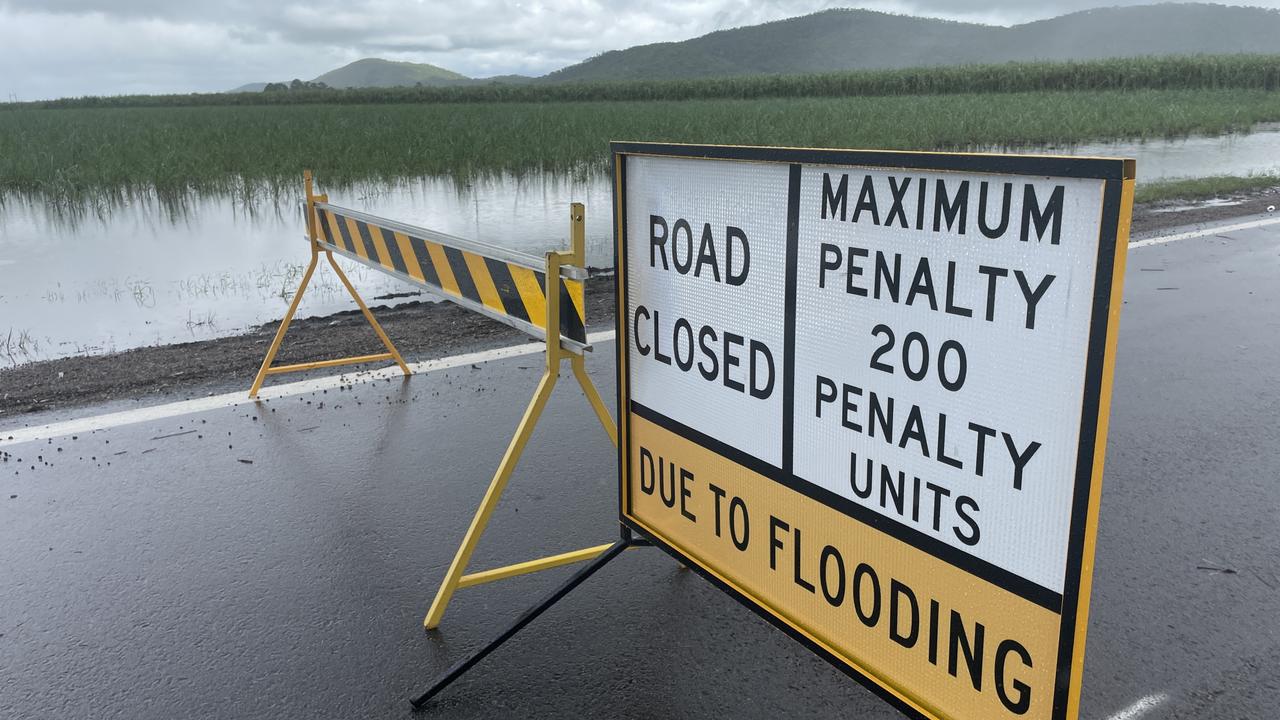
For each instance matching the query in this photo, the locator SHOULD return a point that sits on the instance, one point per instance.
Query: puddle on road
(145, 273)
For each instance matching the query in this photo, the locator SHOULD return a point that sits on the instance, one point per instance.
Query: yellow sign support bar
(532, 566)
(267, 367)
(555, 355)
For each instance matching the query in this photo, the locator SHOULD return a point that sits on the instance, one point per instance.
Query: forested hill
(863, 39)
(375, 72)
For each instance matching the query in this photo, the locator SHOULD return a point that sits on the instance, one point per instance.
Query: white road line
(1203, 232)
(241, 397)
(1141, 707)
(186, 407)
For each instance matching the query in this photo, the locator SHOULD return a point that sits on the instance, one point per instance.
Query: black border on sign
(1065, 166)
(1082, 530)
(994, 574)
(622, 339)
(1095, 369)
(789, 321)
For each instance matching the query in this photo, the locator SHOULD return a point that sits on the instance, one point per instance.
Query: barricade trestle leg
(267, 367)
(543, 296)
(602, 558)
(556, 354)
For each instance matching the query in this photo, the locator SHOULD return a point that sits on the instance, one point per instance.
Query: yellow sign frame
(555, 355)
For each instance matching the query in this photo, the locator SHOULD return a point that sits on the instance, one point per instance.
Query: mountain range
(849, 39)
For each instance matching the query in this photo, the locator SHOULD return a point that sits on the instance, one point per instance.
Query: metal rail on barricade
(524, 291)
(268, 367)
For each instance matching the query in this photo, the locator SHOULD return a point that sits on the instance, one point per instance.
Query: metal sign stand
(462, 666)
(555, 354)
(391, 354)
(600, 555)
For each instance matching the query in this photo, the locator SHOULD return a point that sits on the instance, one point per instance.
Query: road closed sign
(866, 393)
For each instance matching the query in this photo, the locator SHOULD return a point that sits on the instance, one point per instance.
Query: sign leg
(284, 325)
(593, 396)
(395, 354)
(529, 616)
(490, 501)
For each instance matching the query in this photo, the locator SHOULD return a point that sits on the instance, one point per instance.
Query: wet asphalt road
(276, 561)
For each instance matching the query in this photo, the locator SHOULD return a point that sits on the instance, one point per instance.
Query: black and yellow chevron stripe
(500, 287)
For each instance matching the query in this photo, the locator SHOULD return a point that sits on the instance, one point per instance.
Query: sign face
(866, 393)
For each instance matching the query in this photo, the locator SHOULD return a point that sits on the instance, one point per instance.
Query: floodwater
(144, 273)
(1257, 153)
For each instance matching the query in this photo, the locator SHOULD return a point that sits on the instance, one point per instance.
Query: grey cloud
(51, 48)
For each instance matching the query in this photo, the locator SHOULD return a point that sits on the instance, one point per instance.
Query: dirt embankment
(421, 330)
(1157, 216)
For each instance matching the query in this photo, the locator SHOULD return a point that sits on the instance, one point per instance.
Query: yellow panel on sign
(926, 627)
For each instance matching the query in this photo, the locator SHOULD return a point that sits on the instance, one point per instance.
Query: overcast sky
(58, 48)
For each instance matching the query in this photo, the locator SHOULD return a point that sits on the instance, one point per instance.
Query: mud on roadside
(421, 330)
(1155, 216)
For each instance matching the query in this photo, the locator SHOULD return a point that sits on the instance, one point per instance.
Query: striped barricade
(525, 291)
(503, 284)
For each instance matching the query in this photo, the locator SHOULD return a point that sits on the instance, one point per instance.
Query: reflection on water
(133, 272)
(134, 269)
(1257, 153)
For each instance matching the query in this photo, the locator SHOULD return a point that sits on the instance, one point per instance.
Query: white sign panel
(712, 348)
(940, 353)
(866, 392)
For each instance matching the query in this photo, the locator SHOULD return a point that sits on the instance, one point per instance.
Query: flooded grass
(277, 281)
(95, 157)
(197, 299)
(19, 345)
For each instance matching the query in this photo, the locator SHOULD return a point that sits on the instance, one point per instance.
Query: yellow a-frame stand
(316, 249)
(555, 355)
